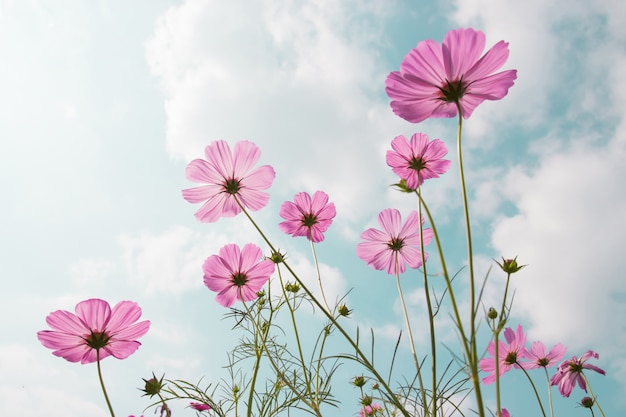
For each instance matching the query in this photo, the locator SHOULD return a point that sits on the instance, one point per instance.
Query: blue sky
(105, 103)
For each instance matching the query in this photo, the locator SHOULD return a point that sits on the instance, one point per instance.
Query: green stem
(473, 360)
(104, 390)
(497, 363)
(319, 277)
(258, 353)
(593, 396)
(410, 332)
(532, 384)
(359, 353)
(549, 392)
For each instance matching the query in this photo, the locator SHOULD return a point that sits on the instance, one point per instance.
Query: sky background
(105, 102)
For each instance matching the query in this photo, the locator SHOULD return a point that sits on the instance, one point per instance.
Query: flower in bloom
(418, 159)
(570, 372)
(433, 78)
(237, 274)
(370, 410)
(307, 216)
(199, 406)
(396, 245)
(538, 358)
(95, 331)
(509, 354)
(227, 175)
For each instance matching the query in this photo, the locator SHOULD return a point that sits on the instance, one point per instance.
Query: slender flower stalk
(104, 390)
(593, 396)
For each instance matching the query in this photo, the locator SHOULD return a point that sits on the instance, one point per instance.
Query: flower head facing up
(306, 216)
(228, 175)
(433, 78)
(397, 245)
(237, 274)
(95, 331)
(418, 159)
(570, 373)
(509, 354)
(538, 358)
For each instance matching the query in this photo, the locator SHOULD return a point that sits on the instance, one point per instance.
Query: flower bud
(492, 313)
(344, 310)
(153, 385)
(292, 287)
(366, 400)
(510, 265)
(358, 381)
(401, 186)
(277, 257)
(587, 402)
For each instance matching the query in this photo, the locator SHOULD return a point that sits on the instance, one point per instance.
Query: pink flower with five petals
(433, 78)
(228, 175)
(95, 331)
(509, 354)
(307, 216)
(570, 373)
(538, 358)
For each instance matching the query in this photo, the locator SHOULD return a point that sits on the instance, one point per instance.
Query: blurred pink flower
(237, 274)
(570, 372)
(538, 358)
(396, 242)
(417, 160)
(228, 174)
(94, 327)
(504, 413)
(434, 77)
(509, 354)
(307, 217)
(199, 406)
(370, 410)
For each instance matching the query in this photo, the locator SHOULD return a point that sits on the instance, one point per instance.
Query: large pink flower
(509, 354)
(570, 372)
(237, 274)
(417, 160)
(94, 327)
(434, 77)
(396, 245)
(307, 217)
(226, 175)
(538, 358)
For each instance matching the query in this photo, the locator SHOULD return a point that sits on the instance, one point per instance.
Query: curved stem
(104, 390)
(593, 396)
(534, 388)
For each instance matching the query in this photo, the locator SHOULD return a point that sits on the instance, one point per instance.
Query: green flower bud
(344, 310)
(492, 313)
(292, 287)
(153, 385)
(587, 402)
(358, 381)
(277, 257)
(510, 265)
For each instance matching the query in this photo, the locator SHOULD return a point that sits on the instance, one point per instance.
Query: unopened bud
(492, 313)
(153, 385)
(510, 265)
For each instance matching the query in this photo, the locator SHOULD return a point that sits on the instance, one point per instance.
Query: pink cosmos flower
(94, 328)
(307, 217)
(570, 372)
(226, 175)
(505, 413)
(509, 354)
(538, 358)
(370, 410)
(396, 245)
(433, 78)
(417, 160)
(237, 274)
(199, 406)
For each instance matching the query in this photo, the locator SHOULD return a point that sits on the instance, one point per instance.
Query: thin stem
(593, 396)
(532, 384)
(104, 390)
(408, 327)
(473, 360)
(319, 277)
(497, 364)
(258, 353)
(549, 392)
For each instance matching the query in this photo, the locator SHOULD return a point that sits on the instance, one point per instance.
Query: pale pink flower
(538, 358)
(199, 406)
(570, 372)
(228, 175)
(237, 274)
(434, 77)
(509, 354)
(307, 216)
(396, 245)
(418, 159)
(94, 328)
(370, 410)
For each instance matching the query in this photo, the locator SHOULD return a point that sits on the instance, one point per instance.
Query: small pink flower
(237, 274)
(570, 372)
(396, 245)
(228, 175)
(538, 358)
(307, 217)
(417, 160)
(433, 78)
(509, 354)
(504, 413)
(94, 328)
(370, 410)
(199, 406)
